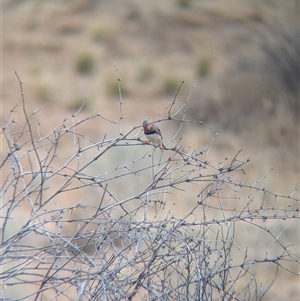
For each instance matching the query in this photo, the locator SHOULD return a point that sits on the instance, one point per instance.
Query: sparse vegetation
(184, 3)
(146, 73)
(171, 84)
(43, 92)
(36, 71)
(85, 63)
(112, 86)
(98, 34)
(80, 104)
(204, 65)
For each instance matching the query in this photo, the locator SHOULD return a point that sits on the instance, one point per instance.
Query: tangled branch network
(115, 220)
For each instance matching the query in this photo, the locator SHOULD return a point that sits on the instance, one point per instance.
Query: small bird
(153, 134)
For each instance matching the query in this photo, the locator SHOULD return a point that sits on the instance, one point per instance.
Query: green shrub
(145, 73)
(85, 63)
(98, 34)
(184, 3)
(171, 84)
(112, 86)
(204, 65)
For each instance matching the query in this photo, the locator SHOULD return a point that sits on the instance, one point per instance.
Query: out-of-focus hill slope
(242, 57)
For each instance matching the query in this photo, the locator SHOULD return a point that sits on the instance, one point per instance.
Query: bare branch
(113, 220)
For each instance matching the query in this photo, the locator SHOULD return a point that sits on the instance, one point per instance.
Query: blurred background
(242, 57)
(239, 60)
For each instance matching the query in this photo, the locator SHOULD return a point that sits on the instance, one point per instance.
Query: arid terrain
(239, 62)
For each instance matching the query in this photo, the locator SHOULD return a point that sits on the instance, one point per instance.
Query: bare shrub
(98, 221)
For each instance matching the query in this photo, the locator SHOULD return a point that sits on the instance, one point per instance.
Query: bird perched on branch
(153, 134)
